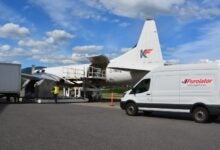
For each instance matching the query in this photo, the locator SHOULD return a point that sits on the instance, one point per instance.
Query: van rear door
(198, 87)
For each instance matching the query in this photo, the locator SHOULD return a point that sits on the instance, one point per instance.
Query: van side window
(143, 86)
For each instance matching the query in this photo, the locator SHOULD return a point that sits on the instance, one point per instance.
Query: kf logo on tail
(144, 53)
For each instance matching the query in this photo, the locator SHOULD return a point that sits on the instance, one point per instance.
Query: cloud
(81, 53)
(80, 58)
(5, 48)
(16, 62)
(209, 61)
(13, 31)
(147, 8)
(47, 58)
(135, 9)
(53, 40)
(10, 54)
(58, 36)
(206, 61)
(88, 14)
(35, 44)
(67, 13)
(16, 54)
(111, 55)
(217, 61)
(48, 49)
(54, 59)
(87, 49)
(206, 46)
(57, 10)
(198, 10)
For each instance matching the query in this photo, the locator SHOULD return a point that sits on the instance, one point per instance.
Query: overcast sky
(63, 32)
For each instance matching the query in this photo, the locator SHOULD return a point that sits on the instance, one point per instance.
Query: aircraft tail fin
(146, 55)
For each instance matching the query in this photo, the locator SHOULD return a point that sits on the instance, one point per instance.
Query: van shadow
(176, 116)
(3, 107)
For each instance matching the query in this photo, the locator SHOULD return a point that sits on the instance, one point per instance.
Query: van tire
(131, 109)
(200, 114)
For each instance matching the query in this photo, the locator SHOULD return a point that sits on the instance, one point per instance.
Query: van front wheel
(131, 109)
(200, 115)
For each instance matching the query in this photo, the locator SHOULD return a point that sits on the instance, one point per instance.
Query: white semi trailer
(10, 80)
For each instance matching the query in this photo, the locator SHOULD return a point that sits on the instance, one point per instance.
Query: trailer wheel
(200, 115)
(131, 109)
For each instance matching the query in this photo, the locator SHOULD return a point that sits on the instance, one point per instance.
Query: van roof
(200, 66)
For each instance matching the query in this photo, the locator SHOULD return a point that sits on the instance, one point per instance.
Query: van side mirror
(133, 91)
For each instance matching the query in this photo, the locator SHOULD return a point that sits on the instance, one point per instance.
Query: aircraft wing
(29, 76)
(47, 76)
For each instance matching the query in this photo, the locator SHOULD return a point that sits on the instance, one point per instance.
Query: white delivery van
(191, 88)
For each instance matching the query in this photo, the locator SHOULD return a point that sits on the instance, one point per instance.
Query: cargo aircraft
(125, 69)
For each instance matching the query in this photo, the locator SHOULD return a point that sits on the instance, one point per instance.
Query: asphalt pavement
(98, 126)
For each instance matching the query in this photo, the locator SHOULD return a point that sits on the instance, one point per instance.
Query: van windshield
(143, 86)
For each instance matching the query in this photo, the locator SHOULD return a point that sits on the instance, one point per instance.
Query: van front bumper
(122, 104)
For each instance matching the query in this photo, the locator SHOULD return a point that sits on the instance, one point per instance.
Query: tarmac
(99, 126)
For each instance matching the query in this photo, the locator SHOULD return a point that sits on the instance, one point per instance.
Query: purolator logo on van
(197, 82)
(145, 53)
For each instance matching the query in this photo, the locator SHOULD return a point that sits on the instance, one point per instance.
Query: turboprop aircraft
(125, 69)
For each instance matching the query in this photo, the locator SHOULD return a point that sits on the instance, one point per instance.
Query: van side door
(166, 89)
